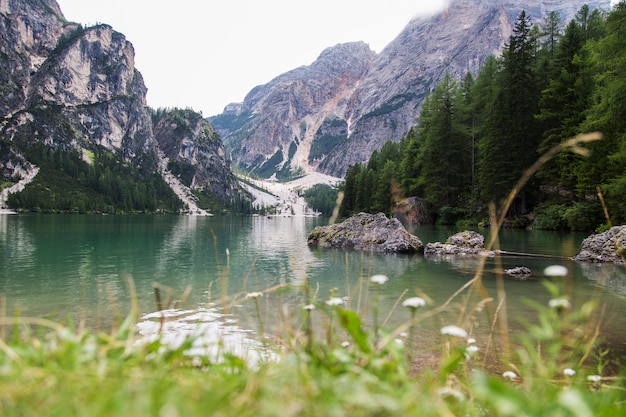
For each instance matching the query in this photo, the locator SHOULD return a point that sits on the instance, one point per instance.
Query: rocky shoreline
(379, 234)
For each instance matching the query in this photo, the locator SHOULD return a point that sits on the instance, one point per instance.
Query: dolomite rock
(77, 89)
(367, 232)
(609, 246)
(460, 244)
(519, 272)
(371, 98)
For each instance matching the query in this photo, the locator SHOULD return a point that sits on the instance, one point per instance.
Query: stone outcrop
(460, 244)
(609, 246)
(413, 211)
(519, 272)
(367, 232)
(350, 101)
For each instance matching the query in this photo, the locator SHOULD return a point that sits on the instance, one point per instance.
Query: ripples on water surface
(77, 266)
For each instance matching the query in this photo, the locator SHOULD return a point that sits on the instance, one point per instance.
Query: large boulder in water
(609, 246)
(367, 232)
(462, 243)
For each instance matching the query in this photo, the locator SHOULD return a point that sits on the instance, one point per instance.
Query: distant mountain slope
(313, 118)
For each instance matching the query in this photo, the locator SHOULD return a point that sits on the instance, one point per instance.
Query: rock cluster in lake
(460, 244)
(609, 246)
(367, 232)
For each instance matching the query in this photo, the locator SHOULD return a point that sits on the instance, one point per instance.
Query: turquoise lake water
(79, 266)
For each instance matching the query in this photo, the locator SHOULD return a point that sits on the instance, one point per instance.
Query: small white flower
(414, 302)
(555, 271)
(335, 301)
(448, 392)
(455, 331)
(254, 295)
(509, 375)
(569, 372)
(379, 279)
(345, 344)
(594, 378)
(399, 342)
(471, 341)
(472, 349)
(309, 307)
(404, 334)
(559, 303)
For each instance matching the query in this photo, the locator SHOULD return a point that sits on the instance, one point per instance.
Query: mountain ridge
(384, 102)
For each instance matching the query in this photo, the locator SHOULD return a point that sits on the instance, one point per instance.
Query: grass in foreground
(556, 369)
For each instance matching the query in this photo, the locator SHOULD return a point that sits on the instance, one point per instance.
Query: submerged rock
(367, 232)
(520, 272)
(609, 246)
(462, 243)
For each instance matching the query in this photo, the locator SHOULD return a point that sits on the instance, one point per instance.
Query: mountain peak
(350, 101)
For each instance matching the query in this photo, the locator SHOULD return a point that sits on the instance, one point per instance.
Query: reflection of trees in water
(609, 276)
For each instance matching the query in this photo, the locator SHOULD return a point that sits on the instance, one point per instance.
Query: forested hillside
(477, 136)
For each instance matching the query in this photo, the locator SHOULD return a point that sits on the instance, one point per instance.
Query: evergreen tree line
(476, 137)
(68, 183)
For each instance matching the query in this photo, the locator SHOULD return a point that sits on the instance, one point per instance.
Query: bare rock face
(351, 101)
(275, 128)
(413, 211)
(76, 89)
(609, 247)
(367, 232)
(460, 244)
(195, 152)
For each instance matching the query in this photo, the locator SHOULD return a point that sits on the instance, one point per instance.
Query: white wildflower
(345, 344)
(335, 301)
(254, 295)
(414, 302)
(594, 378)
(309, 307)
(555, 271)
(471, 341)
(559, 303)
(379, 279)
(399, 342)
(509, 375)
(471, 349)
(455, 331)
(569, 372)
(447, 392)
(404, 334)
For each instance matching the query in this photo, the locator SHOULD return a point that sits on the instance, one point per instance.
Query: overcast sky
(205, 54)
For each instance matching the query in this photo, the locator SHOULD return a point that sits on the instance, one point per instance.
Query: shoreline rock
(460, 244)
(367, 232)
(609, 247)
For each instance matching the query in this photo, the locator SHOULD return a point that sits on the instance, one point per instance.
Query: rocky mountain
(350, 101)
(194, 151)
(76, 90)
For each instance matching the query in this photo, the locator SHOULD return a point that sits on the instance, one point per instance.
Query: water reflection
(610, 277)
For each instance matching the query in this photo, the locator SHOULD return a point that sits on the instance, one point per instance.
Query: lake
(79, 266)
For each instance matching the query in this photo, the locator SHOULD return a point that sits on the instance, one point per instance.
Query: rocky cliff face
(274, 129)
(195, 152)
(381, 99)
(77, 89)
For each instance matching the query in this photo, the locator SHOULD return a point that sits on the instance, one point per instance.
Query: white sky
(205, 54)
